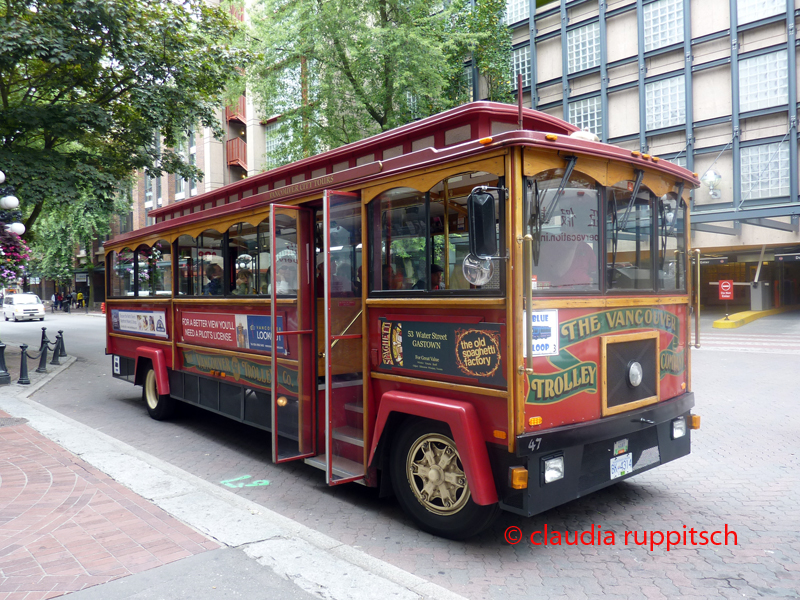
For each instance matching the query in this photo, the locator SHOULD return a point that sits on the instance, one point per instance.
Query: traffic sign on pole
(726, 289)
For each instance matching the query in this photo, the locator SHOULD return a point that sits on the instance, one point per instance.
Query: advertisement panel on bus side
(230, 330)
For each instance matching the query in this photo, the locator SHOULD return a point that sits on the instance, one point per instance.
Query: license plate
(621, 465)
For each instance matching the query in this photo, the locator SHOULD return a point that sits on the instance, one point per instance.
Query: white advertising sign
(142, 322)
(544, 329)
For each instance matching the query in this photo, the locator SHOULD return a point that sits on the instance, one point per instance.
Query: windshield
(27, 299)
(569, 238)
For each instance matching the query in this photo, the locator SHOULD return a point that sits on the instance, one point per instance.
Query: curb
(742, 318)
(292, 550)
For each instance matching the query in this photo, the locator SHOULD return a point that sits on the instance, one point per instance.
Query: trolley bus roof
(464, 131)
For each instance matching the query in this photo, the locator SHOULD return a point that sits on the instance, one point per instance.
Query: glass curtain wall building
(708, 84)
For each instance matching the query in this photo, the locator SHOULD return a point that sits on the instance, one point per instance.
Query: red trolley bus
(481, 310)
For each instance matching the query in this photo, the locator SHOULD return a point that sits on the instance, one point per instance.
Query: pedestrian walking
(59, 299)
(80, 299)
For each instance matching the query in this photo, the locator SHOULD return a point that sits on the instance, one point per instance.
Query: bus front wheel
(430, 484)
(159, 406)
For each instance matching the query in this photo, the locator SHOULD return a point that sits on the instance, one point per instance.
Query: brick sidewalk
(65, 526)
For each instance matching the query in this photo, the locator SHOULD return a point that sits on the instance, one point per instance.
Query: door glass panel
(292, 351)
(343, 352)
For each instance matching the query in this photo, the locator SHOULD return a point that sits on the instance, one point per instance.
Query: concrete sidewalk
(80, 510)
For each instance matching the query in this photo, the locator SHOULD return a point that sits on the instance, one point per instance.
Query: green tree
(337, 71)
(85, 86)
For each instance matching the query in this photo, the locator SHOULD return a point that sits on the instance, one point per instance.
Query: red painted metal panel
(156, 355)
(464, 424)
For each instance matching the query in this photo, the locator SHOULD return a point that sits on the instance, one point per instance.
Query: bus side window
(121, 273)
(450, 229)
(186, 253)
(399, 235)
(242, 260)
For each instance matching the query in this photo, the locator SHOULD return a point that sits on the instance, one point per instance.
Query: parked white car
(23, 306)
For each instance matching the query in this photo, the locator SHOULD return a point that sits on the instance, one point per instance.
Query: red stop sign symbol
(726, 289)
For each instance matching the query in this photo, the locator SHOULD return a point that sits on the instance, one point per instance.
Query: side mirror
(481, 209)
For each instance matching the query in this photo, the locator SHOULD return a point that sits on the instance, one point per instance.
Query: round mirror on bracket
(477, 271)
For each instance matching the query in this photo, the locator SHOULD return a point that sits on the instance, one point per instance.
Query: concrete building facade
(708, 84)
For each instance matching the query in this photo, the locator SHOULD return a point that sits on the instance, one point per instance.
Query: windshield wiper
(620, 225)
(548, 213)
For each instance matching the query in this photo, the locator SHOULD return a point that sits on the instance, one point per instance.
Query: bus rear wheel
(159, 406)
(430, 484)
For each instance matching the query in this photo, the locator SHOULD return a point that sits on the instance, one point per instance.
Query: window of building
(679, 160)
(271, 147)
(587, 114)
(148, 188)
(192, 149)
(158, 191)
(517, 10)
(148, 220)
(666, 103)
(583, 48)
(521, 64)
(753, 10)
(468, 82)
(763, 81)
(663, 24)
(765, 171)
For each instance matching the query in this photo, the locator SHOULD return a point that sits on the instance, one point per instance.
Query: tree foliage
(86, 84)
(337, 71)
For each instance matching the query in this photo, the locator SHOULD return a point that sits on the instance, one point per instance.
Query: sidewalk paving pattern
(65, 526)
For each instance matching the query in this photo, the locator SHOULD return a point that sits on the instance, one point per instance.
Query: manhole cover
(11, 421)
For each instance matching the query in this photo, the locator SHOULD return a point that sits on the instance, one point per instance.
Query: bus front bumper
(591, 456)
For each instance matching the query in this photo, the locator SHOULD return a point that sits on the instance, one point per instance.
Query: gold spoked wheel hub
(151, 390)
(436, 474)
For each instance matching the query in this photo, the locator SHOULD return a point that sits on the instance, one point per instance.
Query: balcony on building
(237, 112)
(237, 153)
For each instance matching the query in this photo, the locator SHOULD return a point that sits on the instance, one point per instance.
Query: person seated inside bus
(569, 264)
(356, 282)
(284, 281)
(243, 283)
(436, 279)
(214, 276)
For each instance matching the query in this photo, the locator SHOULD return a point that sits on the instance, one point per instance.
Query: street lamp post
(9, 216)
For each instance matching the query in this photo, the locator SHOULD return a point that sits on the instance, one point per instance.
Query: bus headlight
(634, 373)
(678, 428)
(553, 469)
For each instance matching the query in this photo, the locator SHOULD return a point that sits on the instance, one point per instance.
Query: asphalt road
(743, 473)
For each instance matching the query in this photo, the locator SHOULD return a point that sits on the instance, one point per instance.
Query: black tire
(159, 406)
(42, 319)
(459, 519)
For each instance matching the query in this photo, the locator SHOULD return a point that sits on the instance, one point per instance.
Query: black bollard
(42, 360)
(5, 378)
(45, 341)
(56, 352)
(63, 352)
(23, 366)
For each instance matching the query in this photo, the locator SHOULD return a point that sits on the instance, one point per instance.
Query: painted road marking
(231, 483)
